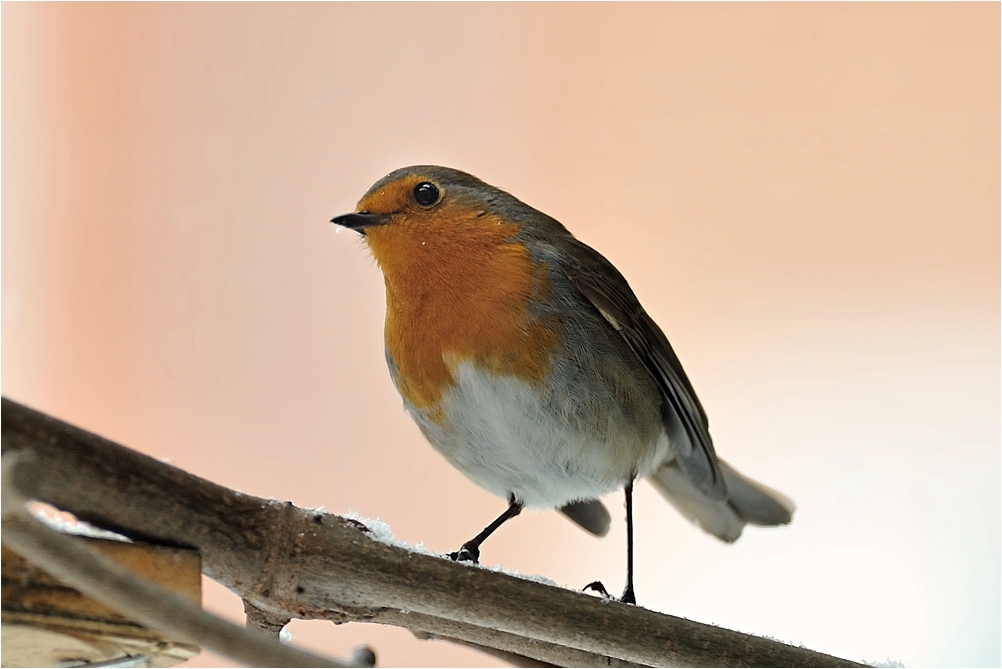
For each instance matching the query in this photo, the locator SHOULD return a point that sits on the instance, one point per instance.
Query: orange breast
(457, 290)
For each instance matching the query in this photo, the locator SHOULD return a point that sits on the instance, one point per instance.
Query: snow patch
(380, 531)
(70, 525)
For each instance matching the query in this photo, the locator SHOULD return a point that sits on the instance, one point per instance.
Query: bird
(527, 361)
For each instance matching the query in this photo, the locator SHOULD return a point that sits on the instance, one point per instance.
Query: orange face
(457, 288)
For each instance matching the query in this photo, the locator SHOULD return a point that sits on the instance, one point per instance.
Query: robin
(527, 361)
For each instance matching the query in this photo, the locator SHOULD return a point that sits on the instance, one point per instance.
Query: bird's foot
(597, 587)
(468, 553)
(627, 598)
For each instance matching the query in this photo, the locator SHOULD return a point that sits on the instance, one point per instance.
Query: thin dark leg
(470, 552)
(628, 595)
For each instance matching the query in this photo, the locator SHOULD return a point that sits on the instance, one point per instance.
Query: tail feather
(756, 503)
(747, 502)
(713, 516)
(590, 514)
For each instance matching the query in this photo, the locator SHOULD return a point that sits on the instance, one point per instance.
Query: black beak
(359, 220)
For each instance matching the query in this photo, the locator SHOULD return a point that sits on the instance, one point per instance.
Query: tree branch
(117, 587)
(292, 562)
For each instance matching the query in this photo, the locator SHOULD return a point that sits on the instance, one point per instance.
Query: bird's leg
(628, 595)
(597, 586)
(470, 552)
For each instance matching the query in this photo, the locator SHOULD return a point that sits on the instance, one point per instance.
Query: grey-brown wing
(684, 419)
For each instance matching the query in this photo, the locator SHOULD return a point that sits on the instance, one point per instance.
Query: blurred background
(804, 196)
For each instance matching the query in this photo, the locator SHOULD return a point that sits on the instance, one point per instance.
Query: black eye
(426, 193)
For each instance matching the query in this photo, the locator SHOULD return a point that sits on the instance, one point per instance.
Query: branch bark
(290, 562)
(115, 586)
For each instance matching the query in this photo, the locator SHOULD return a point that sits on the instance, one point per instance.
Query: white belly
(503, 435)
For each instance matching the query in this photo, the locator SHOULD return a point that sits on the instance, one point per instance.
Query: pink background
(804, 196)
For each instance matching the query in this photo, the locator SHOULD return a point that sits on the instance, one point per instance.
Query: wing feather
(684, 418)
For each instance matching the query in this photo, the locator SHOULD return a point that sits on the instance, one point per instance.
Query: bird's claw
(467, 553)
(597, 587)
(627, 598)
